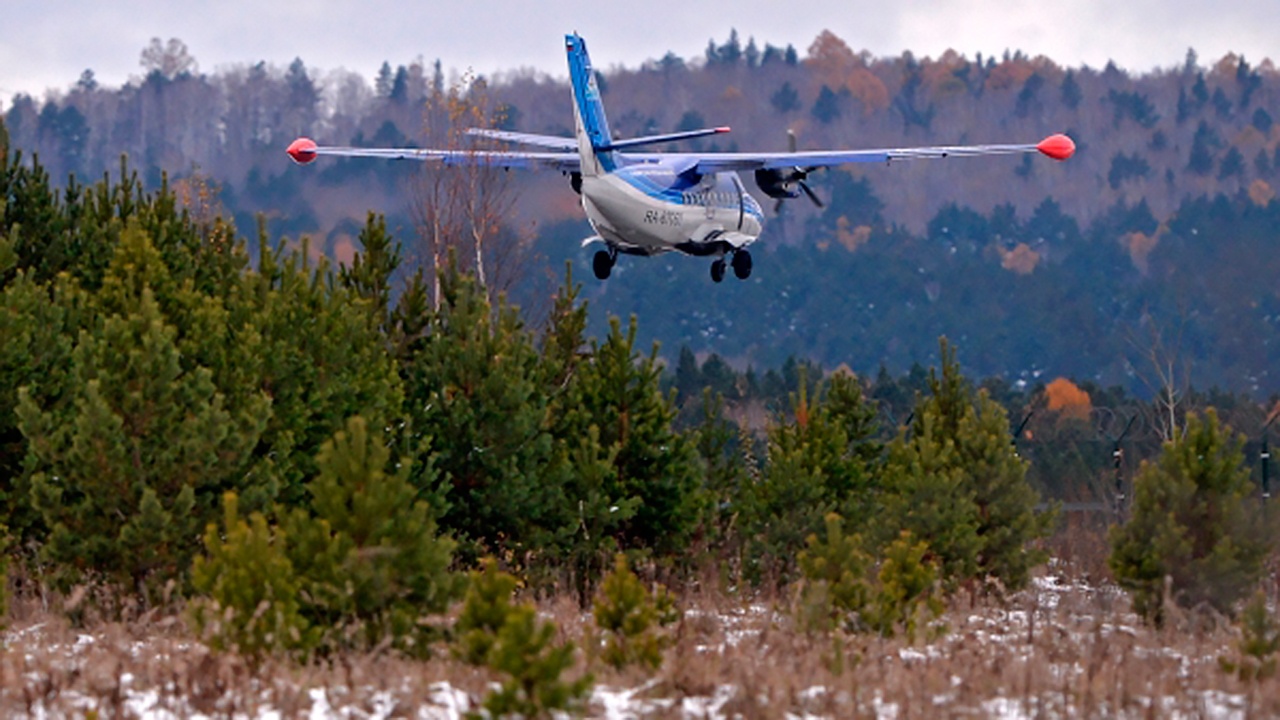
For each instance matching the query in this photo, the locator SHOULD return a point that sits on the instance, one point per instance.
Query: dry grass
(1069, 647)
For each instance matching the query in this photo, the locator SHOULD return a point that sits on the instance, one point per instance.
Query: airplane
(648, 203)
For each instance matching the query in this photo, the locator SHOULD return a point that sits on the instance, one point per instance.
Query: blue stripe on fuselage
(663, 183)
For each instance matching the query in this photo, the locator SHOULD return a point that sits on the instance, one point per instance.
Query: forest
(279, 462)
(1159, 227)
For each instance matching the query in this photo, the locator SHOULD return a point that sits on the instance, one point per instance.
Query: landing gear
(741, 262)
(602, 264)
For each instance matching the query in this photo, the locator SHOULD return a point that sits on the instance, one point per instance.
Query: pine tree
(599, 514)
(782, 509)
(526, 651)
(1194, 523)
(38, 328)
(906, 595)
(484, 611)
(835, 569)
(474, 385)
(128, 467)
(632, 618)
(959, 473)
(1258, 645)
(563, 345)
(926, 495)
(845, 407)
(820, 463)
(496, 632)
(827, 107)
(1203, 146)
(718, 442)
(688, 378)
(368, 554)
(618, 392)
(316, 354)
(248, 590)
(369, 276)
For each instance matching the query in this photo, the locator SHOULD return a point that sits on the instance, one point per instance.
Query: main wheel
(742, 264)
(717, 270)
(602, 264)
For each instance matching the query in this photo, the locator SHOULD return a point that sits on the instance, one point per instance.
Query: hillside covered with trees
(1156, 238)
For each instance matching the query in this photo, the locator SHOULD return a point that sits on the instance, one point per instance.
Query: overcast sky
(48, 43)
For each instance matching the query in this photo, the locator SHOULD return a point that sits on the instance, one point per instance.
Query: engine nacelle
(781, 184)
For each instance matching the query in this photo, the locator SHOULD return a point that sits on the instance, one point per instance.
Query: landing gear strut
(602, 264)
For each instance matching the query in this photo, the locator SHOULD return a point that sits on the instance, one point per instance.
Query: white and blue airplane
(648, 203)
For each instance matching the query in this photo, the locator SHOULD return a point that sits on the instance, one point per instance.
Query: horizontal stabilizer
(669, 137)
(547, 141)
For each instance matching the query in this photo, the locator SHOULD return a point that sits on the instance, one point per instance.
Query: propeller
(796, 175)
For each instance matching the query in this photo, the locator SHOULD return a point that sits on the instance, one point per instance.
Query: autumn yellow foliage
(1068, 399)
(1021, 259)
(1140, 245)
(851, 238)
(835, 65)
(1260, 193)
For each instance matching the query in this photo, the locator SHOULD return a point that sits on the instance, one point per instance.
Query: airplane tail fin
(594, 138)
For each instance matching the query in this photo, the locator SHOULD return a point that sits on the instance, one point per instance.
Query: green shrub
(495, 632)
(843, 589)
(632, 618)
(364, 567)
(835, 569)
(1259, 642)
(368, 555)
(249, 593)
(1193, 522)
(484, 610)
(906, 598)
(526, 651)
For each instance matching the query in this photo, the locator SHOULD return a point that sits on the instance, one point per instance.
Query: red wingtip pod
(302, 150)
(1058, 147)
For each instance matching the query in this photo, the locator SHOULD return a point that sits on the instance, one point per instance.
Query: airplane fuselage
(649, 208)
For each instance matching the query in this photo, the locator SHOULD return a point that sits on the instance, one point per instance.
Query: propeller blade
(777, 206)
(791, 140)
(809, 191)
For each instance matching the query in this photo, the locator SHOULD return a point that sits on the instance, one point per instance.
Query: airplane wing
(305, 150)
(1058, 147)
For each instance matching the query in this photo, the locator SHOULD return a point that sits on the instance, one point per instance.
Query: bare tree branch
(467, 207)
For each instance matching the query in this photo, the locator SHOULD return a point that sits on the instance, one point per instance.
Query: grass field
(1067, 647)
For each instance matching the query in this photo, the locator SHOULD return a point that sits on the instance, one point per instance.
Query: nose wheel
(602, 264)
